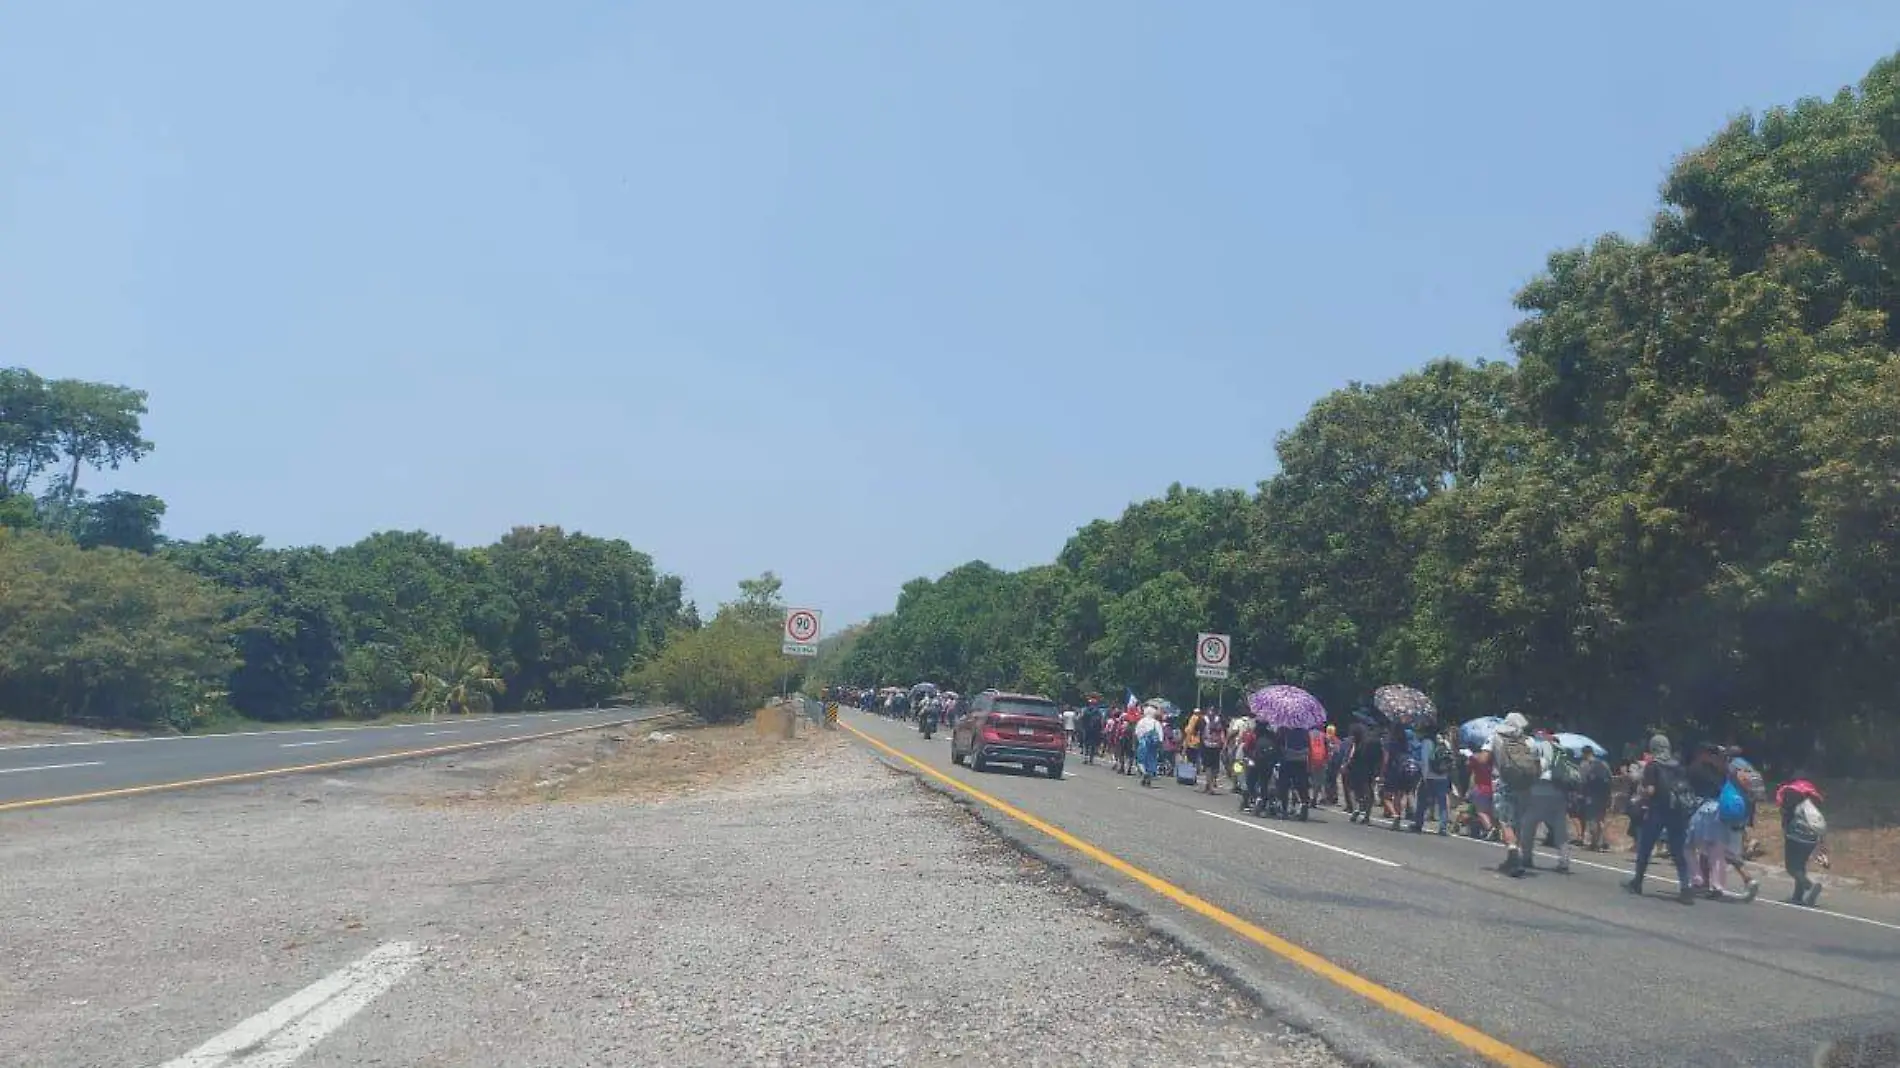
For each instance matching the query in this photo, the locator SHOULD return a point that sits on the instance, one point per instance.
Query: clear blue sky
(748, 284)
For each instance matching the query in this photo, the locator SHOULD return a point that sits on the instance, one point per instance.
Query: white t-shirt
(1068, 719)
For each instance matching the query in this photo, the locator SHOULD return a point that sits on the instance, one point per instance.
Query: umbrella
(1577, 743)
(1404, 704)
(1477, 733)
(1287, 706)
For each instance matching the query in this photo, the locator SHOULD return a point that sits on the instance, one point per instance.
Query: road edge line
(1491, 1049)
(328, 765)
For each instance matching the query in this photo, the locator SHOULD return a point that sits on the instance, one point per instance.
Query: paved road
(64, 769)
(1567, 968)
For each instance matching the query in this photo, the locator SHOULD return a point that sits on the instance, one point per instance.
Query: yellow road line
(1391, 1000)
(328, 765)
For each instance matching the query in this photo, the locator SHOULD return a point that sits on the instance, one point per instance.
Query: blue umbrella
(1577, 743)
(1476, 733)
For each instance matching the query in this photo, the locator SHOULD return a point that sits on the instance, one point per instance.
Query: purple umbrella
(1287, 706)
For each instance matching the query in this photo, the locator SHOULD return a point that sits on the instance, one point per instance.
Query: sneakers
(1754, 888)
(1814, 895)
(1633, 887)
(1685, 896)
(1562, 868)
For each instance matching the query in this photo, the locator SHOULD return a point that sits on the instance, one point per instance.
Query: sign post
(1213, 655)
(802, 628)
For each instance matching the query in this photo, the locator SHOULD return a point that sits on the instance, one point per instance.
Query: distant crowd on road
(1697, 807)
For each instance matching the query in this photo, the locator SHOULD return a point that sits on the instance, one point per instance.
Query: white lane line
(1381, 861)
(300, 745)
(287, 1030)
(1668, 871)
(431, 734)
(244, 734)
(52, 767)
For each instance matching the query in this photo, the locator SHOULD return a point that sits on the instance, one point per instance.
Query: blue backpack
(1732, 806)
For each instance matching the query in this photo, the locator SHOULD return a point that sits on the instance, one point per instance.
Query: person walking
(1546, 806)
(1148, 745)
(1804, 834)
(1595, 774)
(1090, 724)
(1438, 760)
(1213, 748)
(1665, 804)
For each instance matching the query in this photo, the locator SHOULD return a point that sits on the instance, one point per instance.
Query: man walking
(1666, 802)
(1524, 764)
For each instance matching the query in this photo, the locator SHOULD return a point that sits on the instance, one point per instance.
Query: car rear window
(1016, 707)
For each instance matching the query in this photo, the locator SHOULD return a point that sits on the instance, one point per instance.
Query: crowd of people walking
(1697, 808)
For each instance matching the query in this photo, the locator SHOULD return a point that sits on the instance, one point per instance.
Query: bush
(720, 672)
(107, 636)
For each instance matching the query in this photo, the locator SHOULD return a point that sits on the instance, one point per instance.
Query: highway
(1421, 937)
(33, 775)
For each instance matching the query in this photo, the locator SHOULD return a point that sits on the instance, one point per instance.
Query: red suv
(1010, 728)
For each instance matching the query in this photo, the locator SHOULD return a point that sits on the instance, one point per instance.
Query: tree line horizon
(1676, 508)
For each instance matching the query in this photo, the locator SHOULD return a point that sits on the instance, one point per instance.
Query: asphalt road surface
(1566, 968)
(34, 773)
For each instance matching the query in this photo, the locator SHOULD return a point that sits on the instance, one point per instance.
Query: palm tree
(459, 681)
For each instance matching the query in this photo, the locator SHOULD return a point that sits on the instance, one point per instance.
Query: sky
(855, 292)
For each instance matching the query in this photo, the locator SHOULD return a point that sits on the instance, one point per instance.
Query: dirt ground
(1863, 834)
(657, 760)
(21, 732)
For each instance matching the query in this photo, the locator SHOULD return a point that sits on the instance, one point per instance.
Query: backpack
(1518, 765)
(1298, 746)
(1677, 791)
(1441, 762)
(1316, 749)
(1732, 806)
(1563, 768)
(1214, 733)
(1808, 824)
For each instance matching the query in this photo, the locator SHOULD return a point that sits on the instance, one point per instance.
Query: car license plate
(1026, 731)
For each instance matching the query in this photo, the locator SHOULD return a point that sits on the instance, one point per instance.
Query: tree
(457, 680)
(589, 609)
(1676, 509)
(106, 636)
(120, 520)
(722, 671)
(759, 603)
(28, 443)
(94, 424)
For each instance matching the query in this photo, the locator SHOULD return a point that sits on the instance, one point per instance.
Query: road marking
(329, 765)
(430, 734)
(1302, 838)
(1463, 1034)
(1614, 870)
(300, 745)
(287, 1030)
(234, 734)
(52, 767)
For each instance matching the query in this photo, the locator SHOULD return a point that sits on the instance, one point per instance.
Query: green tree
(106, 636)
(719, 672)
(457, 680)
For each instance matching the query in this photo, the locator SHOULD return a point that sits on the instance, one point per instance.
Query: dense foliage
(730, 666)
(102, 620)
(1679, 507)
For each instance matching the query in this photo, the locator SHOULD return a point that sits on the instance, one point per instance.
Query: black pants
(1091, 745)
(1797, 856)
(1292, 782)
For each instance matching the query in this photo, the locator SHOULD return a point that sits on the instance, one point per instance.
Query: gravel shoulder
(802, 905)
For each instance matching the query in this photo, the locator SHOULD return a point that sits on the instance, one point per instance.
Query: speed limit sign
(1213, 655)
(802, 628)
